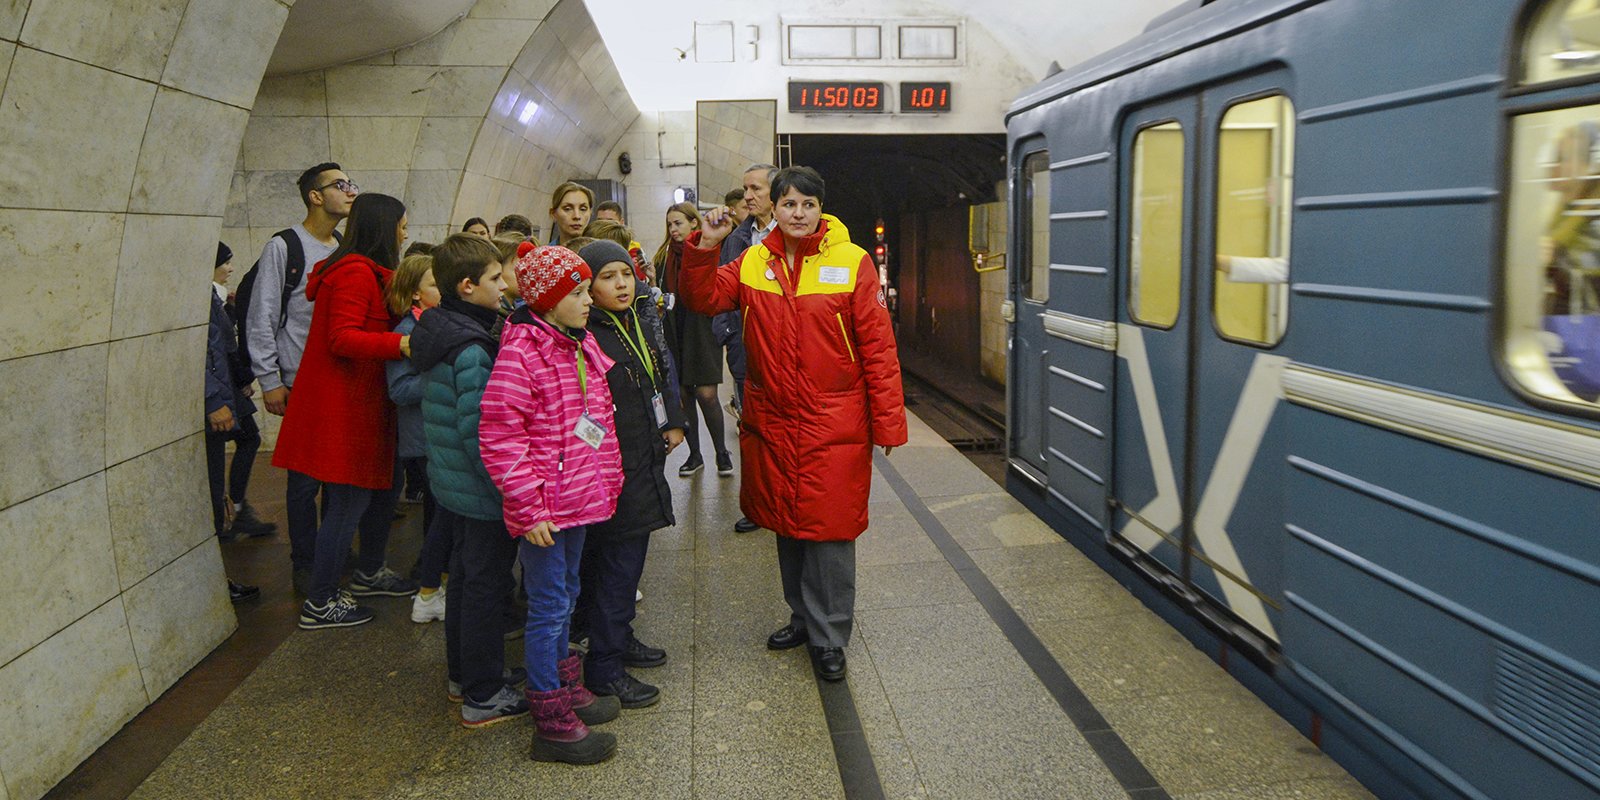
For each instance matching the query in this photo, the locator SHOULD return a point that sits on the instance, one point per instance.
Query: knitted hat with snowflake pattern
(547, 274)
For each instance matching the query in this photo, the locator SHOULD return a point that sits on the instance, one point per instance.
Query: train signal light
(877, 230)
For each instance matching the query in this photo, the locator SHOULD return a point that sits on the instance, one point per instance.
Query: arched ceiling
(322, 33)
(644, 36)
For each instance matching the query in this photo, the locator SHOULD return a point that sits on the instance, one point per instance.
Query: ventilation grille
(1551, 705)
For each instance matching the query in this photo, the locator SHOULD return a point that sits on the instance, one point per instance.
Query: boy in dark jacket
(452, 348)
(648, 427)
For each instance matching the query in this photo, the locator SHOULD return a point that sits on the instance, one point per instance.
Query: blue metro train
(1305, 348)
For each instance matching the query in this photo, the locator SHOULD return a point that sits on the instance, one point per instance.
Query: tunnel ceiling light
(528, 110)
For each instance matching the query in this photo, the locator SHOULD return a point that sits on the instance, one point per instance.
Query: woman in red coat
(822, 387)
(340, 427)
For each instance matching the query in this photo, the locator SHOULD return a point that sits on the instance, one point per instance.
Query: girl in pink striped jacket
(547, 440)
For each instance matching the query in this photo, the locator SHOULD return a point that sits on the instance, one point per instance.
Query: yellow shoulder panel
(753, 270)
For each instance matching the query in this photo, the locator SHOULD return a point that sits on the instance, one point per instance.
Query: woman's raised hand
(715, 226)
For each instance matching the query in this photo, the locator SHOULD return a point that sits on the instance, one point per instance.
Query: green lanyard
(583, 379)
(635, 342)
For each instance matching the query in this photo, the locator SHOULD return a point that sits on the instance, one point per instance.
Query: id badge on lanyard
(591, 432)
(588, 429)
(660, 406)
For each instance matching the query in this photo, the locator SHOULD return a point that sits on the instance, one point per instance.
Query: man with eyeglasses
(279, 319)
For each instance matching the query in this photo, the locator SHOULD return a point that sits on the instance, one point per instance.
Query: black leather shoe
(633, 692)
(787, 637)
(744, 525)
(828, 662)
(239, 592)
(640, 654)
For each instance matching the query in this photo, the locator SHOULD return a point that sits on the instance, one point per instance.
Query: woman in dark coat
(647, 428)
(694, 347)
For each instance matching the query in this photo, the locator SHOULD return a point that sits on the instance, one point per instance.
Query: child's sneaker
(508, 703)
(514, 677)
(385, 582)
(428, 607)
(340, 611)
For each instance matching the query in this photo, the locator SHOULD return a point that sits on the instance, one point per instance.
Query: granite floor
(946, 706)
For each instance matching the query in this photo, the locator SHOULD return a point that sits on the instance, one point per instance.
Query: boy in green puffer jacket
(454, 347)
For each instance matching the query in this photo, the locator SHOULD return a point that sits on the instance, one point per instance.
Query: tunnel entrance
(922, 186)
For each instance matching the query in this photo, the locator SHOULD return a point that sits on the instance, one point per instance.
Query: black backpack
(294, 269)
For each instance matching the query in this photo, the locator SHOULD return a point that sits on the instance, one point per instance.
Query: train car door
(1198, 460)
(1235, 535)
(1153, 338)
(1029, 276)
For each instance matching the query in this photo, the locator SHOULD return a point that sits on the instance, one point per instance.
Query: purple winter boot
(591, 709)
(562, 736)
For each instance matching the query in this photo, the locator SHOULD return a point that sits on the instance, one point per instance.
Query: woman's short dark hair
(371, 230)
(804, 180)
(475, 221)
(515, 223)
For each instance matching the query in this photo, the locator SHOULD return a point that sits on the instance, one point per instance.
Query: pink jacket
(530, 409)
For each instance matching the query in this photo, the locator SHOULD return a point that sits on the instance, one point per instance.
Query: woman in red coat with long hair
(340, 427)
(822, 387)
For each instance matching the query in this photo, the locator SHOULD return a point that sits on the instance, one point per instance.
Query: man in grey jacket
(277, 330)
(755, 227)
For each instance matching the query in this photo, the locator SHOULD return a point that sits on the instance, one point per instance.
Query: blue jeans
(347, 507)
(550, 578)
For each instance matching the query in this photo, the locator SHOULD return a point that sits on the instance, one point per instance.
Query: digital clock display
(924, 97)
(836, 97)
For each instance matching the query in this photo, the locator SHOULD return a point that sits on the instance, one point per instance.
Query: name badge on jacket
(838, 276)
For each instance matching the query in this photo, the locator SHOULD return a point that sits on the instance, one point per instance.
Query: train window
(1155, 233)
(1255, 154)
(1563, 42)
(1036, 194)
(1551, 311)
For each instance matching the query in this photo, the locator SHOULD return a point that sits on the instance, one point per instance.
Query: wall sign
(851, 97)
(924, 97)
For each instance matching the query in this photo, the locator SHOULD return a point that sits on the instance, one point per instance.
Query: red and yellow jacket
(823, 378)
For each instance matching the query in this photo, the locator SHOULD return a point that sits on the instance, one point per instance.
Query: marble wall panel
(238, 33)
(285, 143)
(11, 14)
(58, 542)
(488, 42)
(237, 212)
(303, 95)
(374, 91)
(274, 200)
(444, 143)
(429, 51)
(7, 51)
(162, 277)
(168, 644)
(65, 697)
(511, 9)
(54, 431)
(132, 37)
(154, 391)
(176, 174)
(365, 143)
(37, 316)
(47, 133)
(430, 196)
(464, 91)
(390, 182)
(160, 507)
